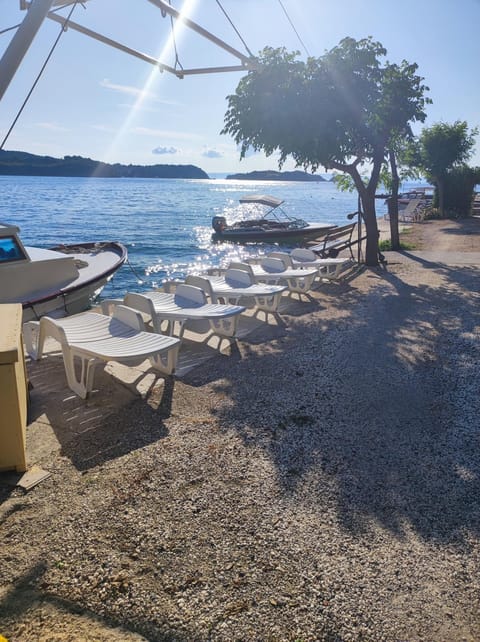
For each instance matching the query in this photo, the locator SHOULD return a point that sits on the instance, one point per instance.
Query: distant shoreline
(272, 175)
(15, 163)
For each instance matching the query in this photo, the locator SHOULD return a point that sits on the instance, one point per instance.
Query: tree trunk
(441, 197)
(393, 204)
(370, 218)
(367, 198)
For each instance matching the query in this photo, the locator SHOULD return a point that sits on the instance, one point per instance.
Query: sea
(165, 224)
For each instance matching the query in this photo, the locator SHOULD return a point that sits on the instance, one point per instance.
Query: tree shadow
(372, 408)
(93, 431)
(29, 596)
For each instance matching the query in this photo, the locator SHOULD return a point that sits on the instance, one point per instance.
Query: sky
(98, 102)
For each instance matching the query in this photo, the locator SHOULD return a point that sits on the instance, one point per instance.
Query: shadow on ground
(29, 601)
(384, 402)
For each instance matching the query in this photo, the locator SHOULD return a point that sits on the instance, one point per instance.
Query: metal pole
(359, 230)
(21, 41)
(166, 8)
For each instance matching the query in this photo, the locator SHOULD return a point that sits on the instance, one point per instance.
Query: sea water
(165, 224)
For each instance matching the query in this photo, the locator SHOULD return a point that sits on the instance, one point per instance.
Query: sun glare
(165, 55)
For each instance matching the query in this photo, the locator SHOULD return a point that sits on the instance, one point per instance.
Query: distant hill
(271, 175)
(25, 164)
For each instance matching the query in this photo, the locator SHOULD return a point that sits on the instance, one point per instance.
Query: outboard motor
(219, 223)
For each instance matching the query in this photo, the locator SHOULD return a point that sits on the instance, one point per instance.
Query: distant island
(271, 175)
(24, 164)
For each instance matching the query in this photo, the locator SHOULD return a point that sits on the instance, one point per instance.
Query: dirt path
(319, 483)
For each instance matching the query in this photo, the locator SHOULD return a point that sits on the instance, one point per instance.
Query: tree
(339, 111)
(440, 149)
(395, 171)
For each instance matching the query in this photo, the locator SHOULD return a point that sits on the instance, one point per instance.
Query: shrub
(386, 245)
(459, 187)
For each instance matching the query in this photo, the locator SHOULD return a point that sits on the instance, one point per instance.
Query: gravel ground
(320, 483)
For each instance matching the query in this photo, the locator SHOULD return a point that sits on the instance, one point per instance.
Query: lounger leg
(225, 327)
(84, 385)
(166, 361)
(301, 285)
(33, 340)
(181, 328)
(268, 303)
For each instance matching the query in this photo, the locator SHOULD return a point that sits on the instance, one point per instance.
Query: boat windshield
(10, 250)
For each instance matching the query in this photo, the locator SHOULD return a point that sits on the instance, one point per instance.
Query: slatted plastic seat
(326, 268)
(92, 338)
(236, 285)
(274, 271)
(186, 303)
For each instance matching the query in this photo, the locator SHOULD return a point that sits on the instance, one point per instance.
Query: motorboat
(58, 281)
(272, 225)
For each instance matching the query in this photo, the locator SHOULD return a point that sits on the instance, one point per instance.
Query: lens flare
(174, 38)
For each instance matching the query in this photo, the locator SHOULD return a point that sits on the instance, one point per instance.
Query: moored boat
(58, 281)
(273, 225)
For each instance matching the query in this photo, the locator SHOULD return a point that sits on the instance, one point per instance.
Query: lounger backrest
(238, 278)
(129, 317)
(202, 283)
(189, 295)
(270, 264)
(283, 256)
(140, 302)
(411, 206)
(302, 254)
(235, 265)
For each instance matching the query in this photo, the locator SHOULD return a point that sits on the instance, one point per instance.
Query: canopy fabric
(263, 199)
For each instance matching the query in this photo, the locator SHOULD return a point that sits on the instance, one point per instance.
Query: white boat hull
(65, 303)
(61, 281)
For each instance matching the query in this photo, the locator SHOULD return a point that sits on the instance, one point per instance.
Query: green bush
(432, 214)
(459, 187)
(386, 245)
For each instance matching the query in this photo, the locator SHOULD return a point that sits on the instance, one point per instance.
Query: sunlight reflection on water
(165, 224)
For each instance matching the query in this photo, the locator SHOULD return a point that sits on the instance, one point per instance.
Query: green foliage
(442, 147)
(459, 189)
(340, 111)
(432, 214)
(327, 111)
(344, 182)
(439, 152)
(385, 245)
(399, 146)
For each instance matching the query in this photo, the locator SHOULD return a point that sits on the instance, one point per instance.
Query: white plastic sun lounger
(92, 338)
(329, 268)
(235, 285)
(274, 271)
(186, 303)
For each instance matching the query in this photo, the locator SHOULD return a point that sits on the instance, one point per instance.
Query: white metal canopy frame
(38, 10)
